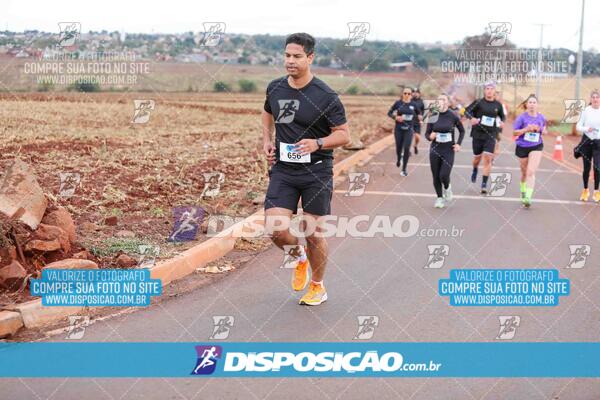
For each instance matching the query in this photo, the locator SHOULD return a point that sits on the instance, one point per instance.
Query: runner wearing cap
(309, 122)
(483, 114)
(418, 102)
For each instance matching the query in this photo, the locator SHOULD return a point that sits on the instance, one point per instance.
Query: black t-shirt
(408, 110)
(446, 122)
(485, 108)
(306, 113)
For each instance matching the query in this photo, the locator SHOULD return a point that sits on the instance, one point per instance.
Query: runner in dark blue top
(404, 112)
(441, 132)
(309, 122)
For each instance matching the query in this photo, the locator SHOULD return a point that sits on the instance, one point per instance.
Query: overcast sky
(418, 21)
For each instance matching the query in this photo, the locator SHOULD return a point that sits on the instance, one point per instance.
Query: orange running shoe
(301, 274)
(585, 195)
(316, 295)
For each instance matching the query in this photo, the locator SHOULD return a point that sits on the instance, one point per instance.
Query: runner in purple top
(529, 128)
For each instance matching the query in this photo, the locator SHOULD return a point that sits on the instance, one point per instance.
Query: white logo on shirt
(287, 111)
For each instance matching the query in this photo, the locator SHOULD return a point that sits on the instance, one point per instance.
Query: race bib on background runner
(533, 137)
(288, 153)
(407, 117)
(487, 121)
(443, 137)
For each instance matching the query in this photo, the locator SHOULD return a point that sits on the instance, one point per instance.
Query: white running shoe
(439, 203)
(448, 193)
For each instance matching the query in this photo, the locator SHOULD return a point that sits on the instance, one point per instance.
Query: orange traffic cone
(558, 149)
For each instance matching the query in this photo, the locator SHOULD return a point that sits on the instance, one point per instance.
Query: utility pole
(538, 75)
(579, 55)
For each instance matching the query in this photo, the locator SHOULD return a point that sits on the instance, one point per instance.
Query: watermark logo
(291, 254)
(508, 326)
(212, 184)
(432, 111)
(366, 327)
(207, 359)
(573, 110)
(69, 181)
(357, 183)
(357, 33)
(148, 254)
(499, 183)
(222, 326)
(498, 33)
(186, 223)
(287, 111)
(213, 34)
(142, 110)
(437, 255)
(579, 255)
(77, 325)
(69, 33)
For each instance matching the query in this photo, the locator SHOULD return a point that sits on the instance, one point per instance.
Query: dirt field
(139, 172)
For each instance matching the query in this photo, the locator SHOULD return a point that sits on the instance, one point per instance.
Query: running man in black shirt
(404, 112)
(309, 122)
(483, 114)
(444, 144)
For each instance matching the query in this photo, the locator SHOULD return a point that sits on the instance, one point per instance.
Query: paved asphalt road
(384, 277)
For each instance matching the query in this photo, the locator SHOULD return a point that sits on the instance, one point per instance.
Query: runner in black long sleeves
(404, 112)
(441, 133)
(418, 101)
(485, 128)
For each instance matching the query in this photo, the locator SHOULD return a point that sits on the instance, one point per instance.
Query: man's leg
(277, 226)
(317, 249)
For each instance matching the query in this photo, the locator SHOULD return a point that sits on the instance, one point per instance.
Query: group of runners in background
(444, 120)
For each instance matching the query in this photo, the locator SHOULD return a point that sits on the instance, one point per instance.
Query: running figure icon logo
(499, 183)
(77, 325)
(141, 111)
(357, 183)
(187, 221)
(222, 326)
(508, 326)
(212, 35)
(579, 254)
(437, 255)
(432, 111)
(207, 359)
(148, 254)
(287, 111)
(573, 110)
(69, 33)
(357, 33)
(498, 33)
(212, 184)
(291, 253)
(366, 327)
(68, 184)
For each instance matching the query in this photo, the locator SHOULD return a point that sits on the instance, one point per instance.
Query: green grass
(113, 246)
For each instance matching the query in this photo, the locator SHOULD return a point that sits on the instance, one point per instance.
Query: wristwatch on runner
(320, 143)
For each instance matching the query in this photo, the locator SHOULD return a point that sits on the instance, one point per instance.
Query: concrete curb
(33, 315)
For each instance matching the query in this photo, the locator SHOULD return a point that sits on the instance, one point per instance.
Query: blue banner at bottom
(299, 359)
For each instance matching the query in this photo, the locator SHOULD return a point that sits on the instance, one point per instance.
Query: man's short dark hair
(303, 39)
